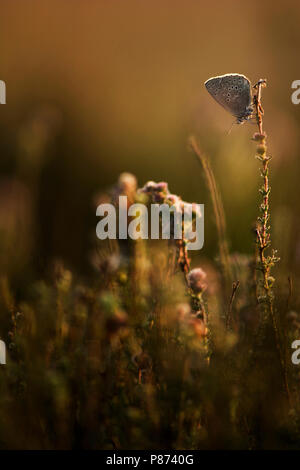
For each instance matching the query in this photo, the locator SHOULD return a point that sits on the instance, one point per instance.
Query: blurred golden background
(95, 88)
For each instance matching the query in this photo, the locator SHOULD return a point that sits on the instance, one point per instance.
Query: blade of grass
(217, 207)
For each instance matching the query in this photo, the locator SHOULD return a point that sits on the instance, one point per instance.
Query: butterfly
(233, 92)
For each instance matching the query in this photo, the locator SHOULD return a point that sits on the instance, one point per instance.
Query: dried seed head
(173, 199)
(196, 279)
(149, 186)
(259, 137)
(152, 187)
(127, 183)
(162, 187)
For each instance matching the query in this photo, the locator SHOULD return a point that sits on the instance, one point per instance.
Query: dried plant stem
(217, 207)
(184, 263)
(263, 228)
(235, 286)
(266, 261)
(183, 259)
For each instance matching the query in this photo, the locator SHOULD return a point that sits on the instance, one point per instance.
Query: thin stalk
(217, 207)
(265, 260)
(235, 287)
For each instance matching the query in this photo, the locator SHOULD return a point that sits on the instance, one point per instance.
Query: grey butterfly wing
(233, 92)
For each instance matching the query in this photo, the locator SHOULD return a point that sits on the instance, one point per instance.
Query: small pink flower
(196, 279)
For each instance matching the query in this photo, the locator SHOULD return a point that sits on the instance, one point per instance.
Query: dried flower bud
(259, 137)
(196, 279)
(173, 199)
(162, 187)
(148, 187)
(158, 198)
(151, 186)
(127, 183)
